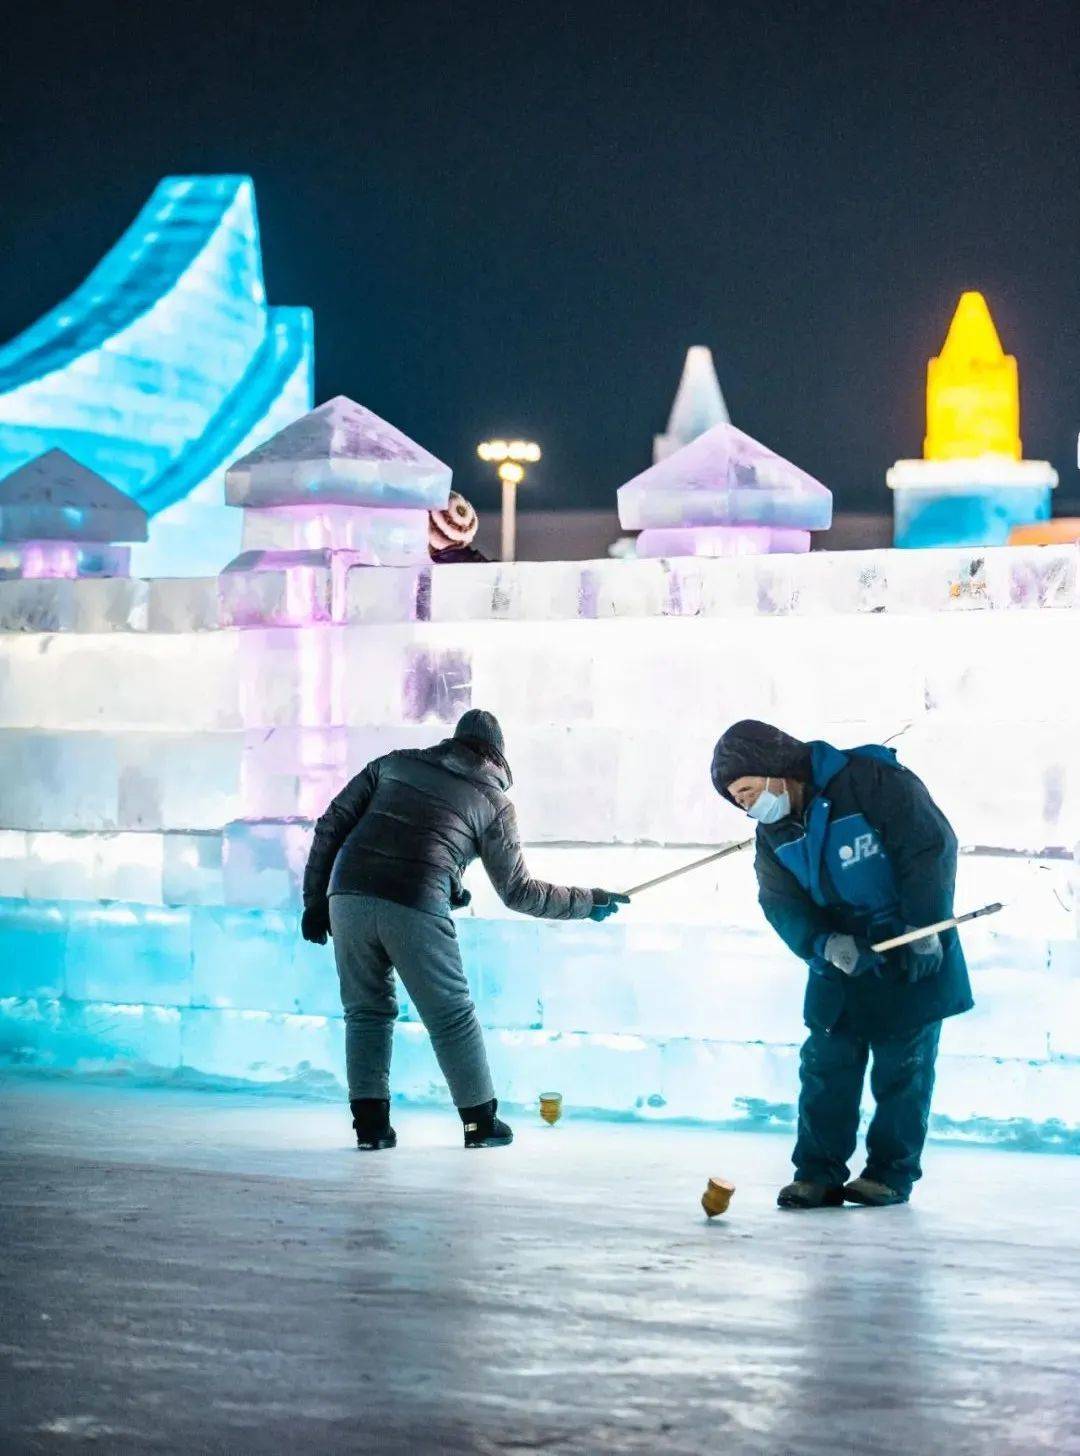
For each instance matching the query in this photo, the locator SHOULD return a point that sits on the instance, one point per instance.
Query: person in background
(852, 850)
(451, 533)
(384, 872)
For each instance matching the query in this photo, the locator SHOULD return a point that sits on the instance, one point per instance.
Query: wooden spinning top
(717, 1196)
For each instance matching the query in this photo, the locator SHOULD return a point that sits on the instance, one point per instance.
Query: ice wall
(160, 766)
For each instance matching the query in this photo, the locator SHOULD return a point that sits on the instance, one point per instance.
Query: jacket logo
(864, 847)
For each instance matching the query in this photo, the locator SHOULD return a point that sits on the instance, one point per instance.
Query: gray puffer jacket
(408, 826)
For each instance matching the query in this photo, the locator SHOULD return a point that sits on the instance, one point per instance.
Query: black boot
(802, 1194)
(483, 1129)
(371, 1119)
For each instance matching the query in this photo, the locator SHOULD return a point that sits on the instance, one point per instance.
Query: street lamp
(511, 456)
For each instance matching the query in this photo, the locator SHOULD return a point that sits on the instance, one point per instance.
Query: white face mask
(770, 808)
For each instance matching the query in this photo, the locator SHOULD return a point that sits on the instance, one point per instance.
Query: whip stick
(950, 924)
(697, 864)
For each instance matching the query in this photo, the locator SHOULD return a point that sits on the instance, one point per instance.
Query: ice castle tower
(338, 488)
(164, 365)
(972, 485)
(60, 520)
(724, 494)
(698, 404)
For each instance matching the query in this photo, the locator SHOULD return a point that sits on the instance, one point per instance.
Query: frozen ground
(190, 1271)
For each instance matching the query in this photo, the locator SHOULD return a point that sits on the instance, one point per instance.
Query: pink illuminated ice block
(721, 541)
(724, 478)
(42, 560)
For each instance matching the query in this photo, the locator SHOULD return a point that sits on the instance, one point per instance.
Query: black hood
(751, 748)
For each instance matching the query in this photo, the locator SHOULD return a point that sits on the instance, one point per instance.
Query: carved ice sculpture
(58, 519)
(973, 486)
(724, 494)
(162, 366)
(337, 488)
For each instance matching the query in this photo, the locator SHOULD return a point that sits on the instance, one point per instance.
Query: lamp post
(511, 457)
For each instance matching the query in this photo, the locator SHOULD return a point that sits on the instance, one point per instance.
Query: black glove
(459, 896)
(892, 964)
(924, 957)
(315, 922)
(605, 903)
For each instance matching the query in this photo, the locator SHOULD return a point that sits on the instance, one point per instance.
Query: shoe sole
(499, 1142)
(376, 1145)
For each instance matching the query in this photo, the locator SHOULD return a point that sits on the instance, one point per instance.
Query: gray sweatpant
(372, 939)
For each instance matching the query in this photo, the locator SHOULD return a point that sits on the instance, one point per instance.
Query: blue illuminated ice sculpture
(164, 366)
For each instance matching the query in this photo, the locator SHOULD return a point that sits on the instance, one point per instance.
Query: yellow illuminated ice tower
(972, 390)
(972, 485)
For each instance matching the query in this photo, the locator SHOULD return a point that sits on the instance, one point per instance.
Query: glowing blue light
(163, 366)
(981, 518)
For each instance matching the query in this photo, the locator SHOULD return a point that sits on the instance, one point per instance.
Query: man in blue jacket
(383, 875)
(852, 850)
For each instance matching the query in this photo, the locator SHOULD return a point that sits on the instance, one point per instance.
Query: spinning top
(717, 1196)
(551, 1107)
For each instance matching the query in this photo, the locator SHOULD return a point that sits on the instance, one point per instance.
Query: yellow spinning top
(972, 390)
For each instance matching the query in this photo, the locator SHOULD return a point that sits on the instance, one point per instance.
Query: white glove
(842, 951)
(847, 955)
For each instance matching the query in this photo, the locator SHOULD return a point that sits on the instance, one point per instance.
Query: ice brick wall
(160, 765)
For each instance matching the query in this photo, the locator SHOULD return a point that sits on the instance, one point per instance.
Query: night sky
(516, 217)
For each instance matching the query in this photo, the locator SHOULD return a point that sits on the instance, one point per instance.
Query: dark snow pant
(832, 1067)
(372, 939)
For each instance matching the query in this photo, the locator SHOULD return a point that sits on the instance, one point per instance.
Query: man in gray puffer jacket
(383, 875)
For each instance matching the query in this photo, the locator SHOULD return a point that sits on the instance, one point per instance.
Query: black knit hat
(751, 748)
(481, 728)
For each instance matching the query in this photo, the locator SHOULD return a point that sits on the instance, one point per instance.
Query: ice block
(721, 541)
(724, 478)
(64, 561)
(968, 502)
(264, 588)
(376, 537)
(339, 454)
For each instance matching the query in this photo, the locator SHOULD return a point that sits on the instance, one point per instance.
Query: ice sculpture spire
(163, 365)
(972, 487)
(724, 494)
(698, 404)
(972, 390)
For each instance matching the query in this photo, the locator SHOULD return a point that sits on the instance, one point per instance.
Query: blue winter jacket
(871, 855)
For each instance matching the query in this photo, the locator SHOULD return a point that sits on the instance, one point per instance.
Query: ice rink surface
(209, 1272)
